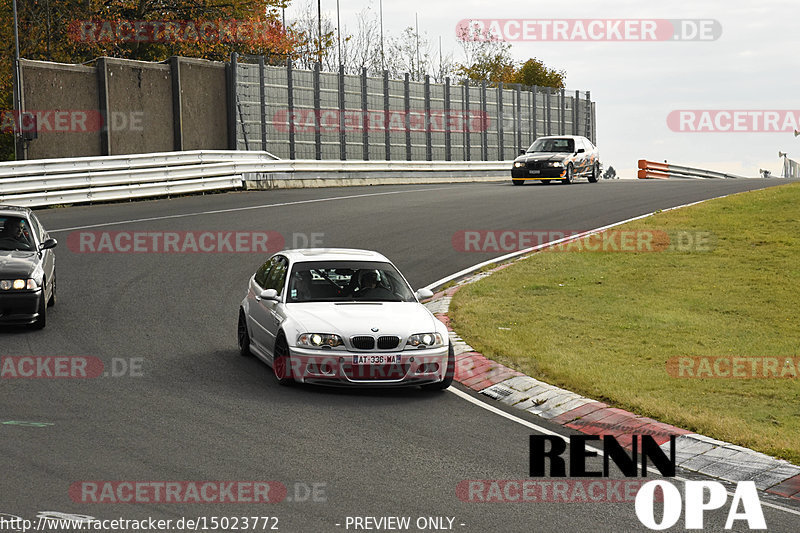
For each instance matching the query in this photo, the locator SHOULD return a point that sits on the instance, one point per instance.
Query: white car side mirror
(269, 294)
(423, 294)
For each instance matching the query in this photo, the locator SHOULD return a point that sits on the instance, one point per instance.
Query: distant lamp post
(19, 148)
(319, 29)
(339, 32)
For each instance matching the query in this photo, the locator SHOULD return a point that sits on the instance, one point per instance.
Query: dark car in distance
(27, 268)
(557, 158)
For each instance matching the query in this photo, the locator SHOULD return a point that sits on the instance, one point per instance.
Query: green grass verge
(604, 324)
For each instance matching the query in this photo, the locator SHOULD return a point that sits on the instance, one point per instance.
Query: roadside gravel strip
(694, 452)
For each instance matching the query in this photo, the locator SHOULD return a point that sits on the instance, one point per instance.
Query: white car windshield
(553, 145)
(346, 281)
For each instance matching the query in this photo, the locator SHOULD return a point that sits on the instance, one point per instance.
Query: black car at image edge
(27, 268)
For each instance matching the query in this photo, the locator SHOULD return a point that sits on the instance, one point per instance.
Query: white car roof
(332, 254)
(561, 137)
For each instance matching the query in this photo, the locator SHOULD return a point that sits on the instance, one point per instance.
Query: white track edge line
(540, 429)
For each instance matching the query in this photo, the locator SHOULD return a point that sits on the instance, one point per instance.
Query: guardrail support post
(177, 108)
(467, 123)
(342, 104)
(548, 127)
(290, 105)
(588, 116)
(518, 120)
(533, 113)
(364, 115)
(485, 128)
(407, 105)
(317, 115)
(262, 94)
(102, 91)
(448, 148)
(575, 112)
(387, 138)
(501, 131)
(428, 136)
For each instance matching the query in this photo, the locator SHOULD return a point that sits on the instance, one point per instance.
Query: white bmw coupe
(342, 317)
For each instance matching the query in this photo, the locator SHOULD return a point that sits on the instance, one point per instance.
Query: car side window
(37, 229)
(263, 273)
(40, 228)
(277, 275)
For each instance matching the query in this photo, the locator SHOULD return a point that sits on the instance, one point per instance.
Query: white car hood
(347, 319)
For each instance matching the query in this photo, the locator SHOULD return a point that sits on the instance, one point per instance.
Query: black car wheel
(449, 373)
(595, 173)
(242, 335)
(281, 365)
(569, 174)
(52, 301)
(518, 182)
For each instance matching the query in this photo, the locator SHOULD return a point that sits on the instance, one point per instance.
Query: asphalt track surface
(201, 412)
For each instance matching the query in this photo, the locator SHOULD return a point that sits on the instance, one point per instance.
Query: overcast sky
(753, 65)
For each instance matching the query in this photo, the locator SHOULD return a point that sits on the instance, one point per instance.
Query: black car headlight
(19, 284)
(425, 340)
(518, 164)
(555, 164)
(319, 340)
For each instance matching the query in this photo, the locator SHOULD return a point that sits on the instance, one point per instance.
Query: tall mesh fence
(309, 114)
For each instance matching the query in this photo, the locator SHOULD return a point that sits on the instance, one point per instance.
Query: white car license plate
(376, 359)
(534, 171)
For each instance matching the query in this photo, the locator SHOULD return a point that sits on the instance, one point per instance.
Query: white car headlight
(319, 340)
(425, 340)
(556, 164)
(518, 164)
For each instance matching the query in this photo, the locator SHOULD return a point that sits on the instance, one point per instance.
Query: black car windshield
(552, 145)
(15, 234)
(347, 281)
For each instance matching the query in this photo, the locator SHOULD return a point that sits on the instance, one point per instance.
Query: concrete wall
(52, 89)
(134, 100)
(204, 104)
(140, 107)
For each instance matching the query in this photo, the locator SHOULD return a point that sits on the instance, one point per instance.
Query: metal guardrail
(655, 170)
(98, 179)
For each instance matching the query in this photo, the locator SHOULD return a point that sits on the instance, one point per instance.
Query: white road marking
(234, 209)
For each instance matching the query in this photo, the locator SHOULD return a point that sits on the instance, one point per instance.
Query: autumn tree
(486, 57)
(534, 72)
(78, 31)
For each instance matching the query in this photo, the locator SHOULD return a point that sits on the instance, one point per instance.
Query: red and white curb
(694, 452)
